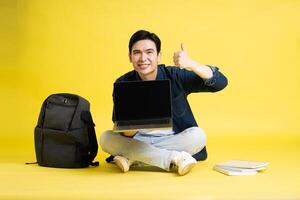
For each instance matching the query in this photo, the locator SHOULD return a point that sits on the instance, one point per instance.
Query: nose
(143, 57)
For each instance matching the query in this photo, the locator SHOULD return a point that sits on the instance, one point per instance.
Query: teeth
(144, 65)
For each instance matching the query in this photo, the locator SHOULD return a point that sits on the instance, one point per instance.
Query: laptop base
(142, 127)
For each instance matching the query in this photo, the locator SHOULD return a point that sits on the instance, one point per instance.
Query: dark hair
(144, 35)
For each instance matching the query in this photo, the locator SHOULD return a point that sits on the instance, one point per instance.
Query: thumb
(182, 47)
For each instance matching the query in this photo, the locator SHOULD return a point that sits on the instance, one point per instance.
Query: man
(183, 145)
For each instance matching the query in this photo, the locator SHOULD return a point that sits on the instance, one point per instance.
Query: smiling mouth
(143, 66)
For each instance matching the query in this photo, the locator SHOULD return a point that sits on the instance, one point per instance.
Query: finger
(182, 47)
(177, 53)
(175, 57)
(175, 61)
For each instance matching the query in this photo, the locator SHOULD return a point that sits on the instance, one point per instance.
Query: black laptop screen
(139, 100)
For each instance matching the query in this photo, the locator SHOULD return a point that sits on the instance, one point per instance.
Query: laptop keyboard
(142, 122)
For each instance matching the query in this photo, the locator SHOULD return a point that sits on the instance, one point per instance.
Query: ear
(159, 57)
(129, 55)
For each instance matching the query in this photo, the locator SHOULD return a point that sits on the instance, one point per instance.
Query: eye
(149, 52)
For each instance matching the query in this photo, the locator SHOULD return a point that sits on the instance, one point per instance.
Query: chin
(146, 71)
(143, 71)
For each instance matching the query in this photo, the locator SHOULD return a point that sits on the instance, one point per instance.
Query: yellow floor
(280, 181)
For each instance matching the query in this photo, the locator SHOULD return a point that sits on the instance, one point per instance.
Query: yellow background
(80, 46)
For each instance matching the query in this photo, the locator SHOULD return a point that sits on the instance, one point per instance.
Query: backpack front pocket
(56, 149)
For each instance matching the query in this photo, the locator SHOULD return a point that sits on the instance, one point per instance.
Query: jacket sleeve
(191, 82)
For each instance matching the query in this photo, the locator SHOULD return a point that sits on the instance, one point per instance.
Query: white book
(244, 164)
(235, 172)
(243, 169)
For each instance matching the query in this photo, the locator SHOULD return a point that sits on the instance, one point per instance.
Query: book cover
(233, 172)
(246, 164)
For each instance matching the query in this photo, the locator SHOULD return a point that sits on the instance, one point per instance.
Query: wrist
(202, 70)
(195, 66)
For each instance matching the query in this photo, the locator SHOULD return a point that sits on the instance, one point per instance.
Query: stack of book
(240, 167)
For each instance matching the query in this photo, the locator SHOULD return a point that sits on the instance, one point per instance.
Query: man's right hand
(129, 133)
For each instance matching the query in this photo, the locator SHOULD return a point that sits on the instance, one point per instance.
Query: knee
(198, 136)
(104, 139)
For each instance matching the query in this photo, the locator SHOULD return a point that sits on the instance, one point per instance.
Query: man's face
(144, 57)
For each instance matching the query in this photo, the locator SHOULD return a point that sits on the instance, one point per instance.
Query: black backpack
(65, 135)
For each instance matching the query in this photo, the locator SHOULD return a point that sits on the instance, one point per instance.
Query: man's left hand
(181, 58)
(129, 133)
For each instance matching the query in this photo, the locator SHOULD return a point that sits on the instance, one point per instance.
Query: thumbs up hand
(181, 58)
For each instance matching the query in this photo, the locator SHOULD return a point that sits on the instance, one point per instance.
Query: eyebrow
(136, 50)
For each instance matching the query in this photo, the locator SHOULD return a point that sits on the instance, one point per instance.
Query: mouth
(143, 66)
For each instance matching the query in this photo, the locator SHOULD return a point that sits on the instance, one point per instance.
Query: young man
(185, 144)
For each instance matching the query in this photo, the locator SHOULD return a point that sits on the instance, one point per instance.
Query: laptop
(142, 105)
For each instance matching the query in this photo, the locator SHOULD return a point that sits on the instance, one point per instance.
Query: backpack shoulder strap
(93, 145)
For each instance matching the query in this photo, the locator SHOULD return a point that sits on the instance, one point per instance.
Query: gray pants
(157, 151)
